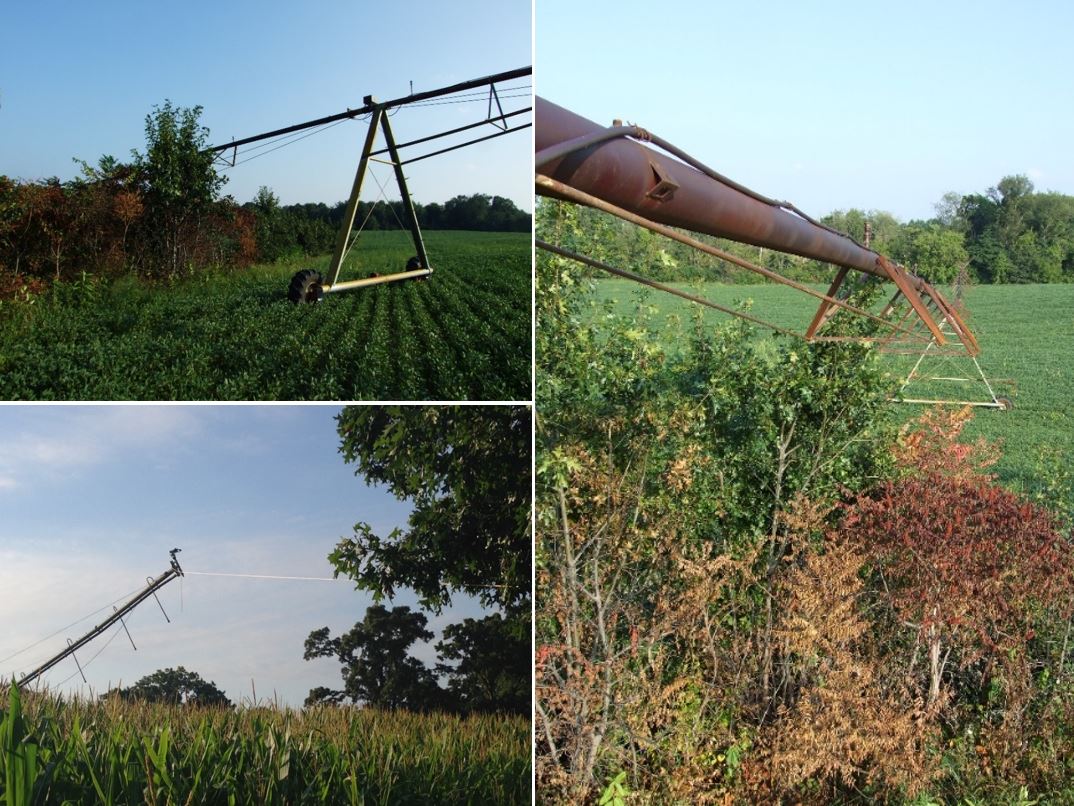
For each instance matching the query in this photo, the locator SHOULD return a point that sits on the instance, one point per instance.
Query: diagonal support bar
(128, 632)
(637, 278)
(378, 121)
(352, 203)
(70, 646)
(825, 306)
(552, 187)
(902, 282)
(404, 192)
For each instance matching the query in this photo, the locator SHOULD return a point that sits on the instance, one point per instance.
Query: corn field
(111, 752)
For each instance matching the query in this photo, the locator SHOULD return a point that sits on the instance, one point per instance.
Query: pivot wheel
(1005, 402)
(413, 264)
(306, 286)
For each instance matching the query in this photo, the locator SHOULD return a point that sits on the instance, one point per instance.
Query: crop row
(463, 333)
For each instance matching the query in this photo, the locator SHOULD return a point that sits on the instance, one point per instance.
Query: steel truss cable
(72, 624)
(259, 576)
(94, 657)
(413, 98)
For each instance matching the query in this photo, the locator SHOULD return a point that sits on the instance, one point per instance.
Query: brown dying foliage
(643, 655)
(847, 724)
(930, 445)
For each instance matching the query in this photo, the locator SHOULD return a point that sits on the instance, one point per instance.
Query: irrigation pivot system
(309, 285)
(150, 589)
(637, 176)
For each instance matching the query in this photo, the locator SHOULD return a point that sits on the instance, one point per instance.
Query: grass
(110, 752)
(463, 333)
(1026, 334)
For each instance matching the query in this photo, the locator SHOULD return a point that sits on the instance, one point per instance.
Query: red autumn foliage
(964, 555)
(965, 562)
(52, 231)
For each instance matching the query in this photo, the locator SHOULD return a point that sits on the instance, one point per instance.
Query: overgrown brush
(750, 589)
(665, 478)
(56, 751)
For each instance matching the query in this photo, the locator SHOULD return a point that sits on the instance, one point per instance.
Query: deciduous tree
(466, 470)
(174, 687)
(378, 669)
(180, 181)
(935, 253)
(966, 564)
(489, 664)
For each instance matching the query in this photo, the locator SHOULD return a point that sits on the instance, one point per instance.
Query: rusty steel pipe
(610, 164)
(626, 173)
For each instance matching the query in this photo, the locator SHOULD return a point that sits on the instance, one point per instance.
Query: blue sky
(77, 80)
(93, 497)
(829, 104)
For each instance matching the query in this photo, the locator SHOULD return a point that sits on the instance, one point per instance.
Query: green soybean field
(113, 752)
(1026, 333)
(461, 334)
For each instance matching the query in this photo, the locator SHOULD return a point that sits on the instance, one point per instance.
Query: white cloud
(8, 483)
(140, 424)
(78, 438)
(43, 451)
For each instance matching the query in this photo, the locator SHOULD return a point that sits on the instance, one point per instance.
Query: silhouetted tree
(466, 470)
(492, 666)
(174, 687)
(377, 666)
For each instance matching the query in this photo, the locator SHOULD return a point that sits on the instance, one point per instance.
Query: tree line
(158, 215)
(1008, 234)
(162, 215)
(483, 666)
(293, 230)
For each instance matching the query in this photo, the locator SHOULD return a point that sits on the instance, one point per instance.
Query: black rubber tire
(1006, 402)
(306, 286)
(414, 263)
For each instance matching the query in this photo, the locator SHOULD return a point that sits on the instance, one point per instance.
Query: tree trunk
(935, 668)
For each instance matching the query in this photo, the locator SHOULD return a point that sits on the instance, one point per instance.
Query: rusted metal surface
(624, 172)
(553, 188)
(825, 309)
(619, 166)
(903, 282)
